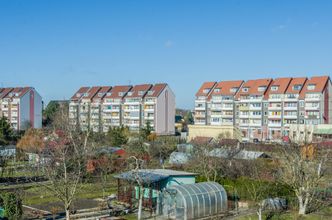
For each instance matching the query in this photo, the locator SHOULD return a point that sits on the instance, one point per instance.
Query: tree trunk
(302, 205)
(67, 214)
(140, 204)
(259, 213)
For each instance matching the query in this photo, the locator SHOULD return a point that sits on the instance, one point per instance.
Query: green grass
(39, 195)
(320, 215)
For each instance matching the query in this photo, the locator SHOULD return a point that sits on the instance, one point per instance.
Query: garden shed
(194, 201)
(154, 182)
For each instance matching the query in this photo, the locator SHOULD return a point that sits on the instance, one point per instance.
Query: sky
(58, 46)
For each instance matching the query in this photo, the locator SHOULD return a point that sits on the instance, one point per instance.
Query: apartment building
(22, 106)
(202, 105)
(112, 107)
(222, 105)
(265, 108)
(99, 108)
(250, 107)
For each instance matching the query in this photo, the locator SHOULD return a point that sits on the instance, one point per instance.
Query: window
(234, 89)
(151, 92)
(311, 86)
(121, 93)
(261, 88)
(109, 94)
(274, 88)
(86, 94)
(140, 93)
(205, 91)
(301, 104)
(245, 89)
(100, 94)
(217, 90)
(297, 87)
(78, 95)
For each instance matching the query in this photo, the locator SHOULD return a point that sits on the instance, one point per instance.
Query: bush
(12, 205)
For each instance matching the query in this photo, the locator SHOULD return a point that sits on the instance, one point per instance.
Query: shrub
(12, 205)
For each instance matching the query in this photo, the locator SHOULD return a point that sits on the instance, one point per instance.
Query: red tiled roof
(295, 81)
(206, 85)
(24, 91)
(92, 92)
(319, 82)
(5, 92)
(101, 93)
(115, 92)
(156, 90)
(79, 93)
(253, 86)
(281, 83)
(226, 86)
(139, 91)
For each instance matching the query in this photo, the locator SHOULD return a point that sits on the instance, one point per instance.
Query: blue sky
(58, 46)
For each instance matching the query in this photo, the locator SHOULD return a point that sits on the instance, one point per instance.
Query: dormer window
(17, 94)
(140, 93)
(245, 89)
(100, 94)
(130, 93)
(217, 90)
(78, 95)
(150, 92)
(109, 94)
(206, 91)
(311, 86)
(297, 87)
(261, 88)
(234, 89)
(274, 88)
(86, 94)
(121, 93)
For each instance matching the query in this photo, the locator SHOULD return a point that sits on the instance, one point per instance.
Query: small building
(194, 201)
(179, 158)
(8, 151)
(154, 182)
(241, 154)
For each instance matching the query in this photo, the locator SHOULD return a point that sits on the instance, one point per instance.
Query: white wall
(162, 110)
(24, 111)
(38, 105)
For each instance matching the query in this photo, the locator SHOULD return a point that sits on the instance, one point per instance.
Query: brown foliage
(32, 141)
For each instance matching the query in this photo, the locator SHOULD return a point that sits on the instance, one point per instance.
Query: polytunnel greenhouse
(194, 201)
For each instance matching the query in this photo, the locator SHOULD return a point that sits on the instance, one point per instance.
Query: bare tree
(63, 160)
(303, 169)
(140, 182)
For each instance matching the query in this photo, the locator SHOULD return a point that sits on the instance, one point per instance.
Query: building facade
(265, 108)
(22, 106)
(100, 108)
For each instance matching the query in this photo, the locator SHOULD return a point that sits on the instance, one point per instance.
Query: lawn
(320, 215)
(40, 197)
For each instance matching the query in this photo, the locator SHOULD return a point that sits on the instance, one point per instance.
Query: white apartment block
(100, 108)
(265, 108)
(22, 106)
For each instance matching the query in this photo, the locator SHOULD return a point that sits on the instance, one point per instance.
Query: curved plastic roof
(193, 201)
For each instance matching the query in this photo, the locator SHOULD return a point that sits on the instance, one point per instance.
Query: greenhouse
(194, 201)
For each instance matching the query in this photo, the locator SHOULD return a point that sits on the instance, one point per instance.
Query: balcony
(200, 122)
(149, 117)
(227, 107)
(216, 115)
(244, 108)
(255, 124)
(274, 125)
(290, 116)
(131, 109)
(149, 109)
(202, 108)
(243, 116)
(311, 107)
(227, 116)
(255, 108)
(312, 99)
(255, 116)
(290, 108)
(311, 117)
(274, 107)
(95, 116)
(274, 116)
(215, 122)
(274, 99)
